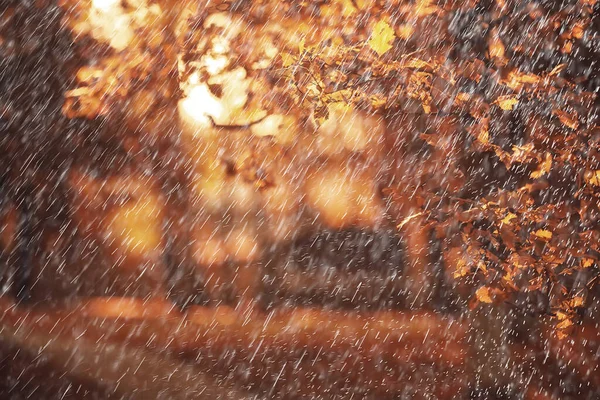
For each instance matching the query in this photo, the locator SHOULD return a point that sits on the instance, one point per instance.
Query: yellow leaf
(506, 220)
(482, 267)
(561, 316)
(416, 63)
(347, 8)
(484, 135)
(543, 234)
(378, 101)
(287, 59)
(461, 269)
(382, 38)
(463, 97)
(483, 295)
(593, 177)
(507, 102)
(543, 168)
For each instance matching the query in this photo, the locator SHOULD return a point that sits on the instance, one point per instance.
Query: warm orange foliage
(514, 239)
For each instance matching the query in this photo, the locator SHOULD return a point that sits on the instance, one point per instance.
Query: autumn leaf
(506, 220)
(561, 316)
(484, 134)
(483, 295)
(507, 102)
(378, 101)
(347, 8)
(321, 114)
(587, 262)
(416, 63)
(543, 168)
(496, 47)
(567, 47)
(561, 335)
(577, 301)
(521, 153)
(302, 46)
(462, 269)
(593, 177)
(564, 324)
(516, 80)
(543, 234)
(382, 38)
(287, 59)
(568, 120)
(463, 97)
(425, 7)
(426, 107)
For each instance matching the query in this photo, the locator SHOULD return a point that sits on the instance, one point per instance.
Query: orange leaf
(463, 97)
(506, 102)
(564, 324)
(566, 119)
(461, 269)
(496, 46)
(558, 69)
(517, 79)
(577, 301)
(593, 177)
(543, 168)
(561, 335)
(483, 295)
(587, 262)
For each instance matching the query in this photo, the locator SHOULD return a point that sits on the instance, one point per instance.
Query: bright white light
(220, 45)
(105, 5)
(201, 104)
(194, 79)
(214, 65)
